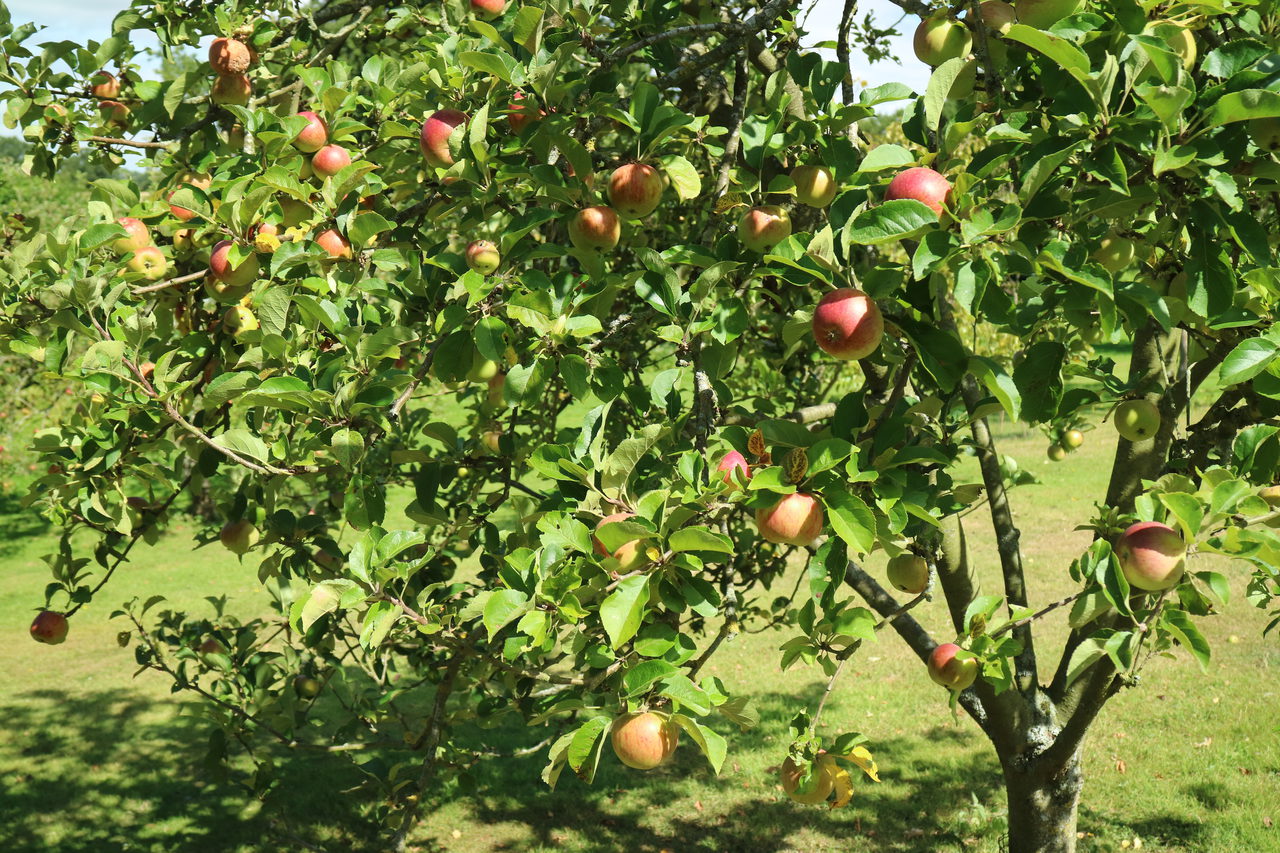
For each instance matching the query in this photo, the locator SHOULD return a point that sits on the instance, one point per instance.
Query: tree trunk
(1042, 807)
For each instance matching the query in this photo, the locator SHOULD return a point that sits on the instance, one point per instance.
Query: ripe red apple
(312, 137)
(239, 536)
(114, 114)
(847, 324)
(1137, 420)
(644, 741)
(151, 262)
(731, 462)
(104, 85)
(815, 185)
(764, 227)
(595, 228)
(797, 519)
(908, 573)
(488, 9)
(630, 555)
(938, 38)
(202, 182)
(952, 667)
(336, 245)
(49, 627)
(522, 115)
(434, 138)
(330, 160)
(230, 56)
(220, 266)
(824, 780)
(1265, 133)
(1043, 14)
(1152, 556)
(231, 89)
(137, 236)
(482, 256)
(922, 184)
(997, 15)
(635, 190)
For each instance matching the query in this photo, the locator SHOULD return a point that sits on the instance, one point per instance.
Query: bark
(1043, 805)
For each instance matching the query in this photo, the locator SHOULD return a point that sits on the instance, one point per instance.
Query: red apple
(434, 138)
(815, 185)
(922, 184)
(104, 85)
(232, 89)
(952, 666)
(151, 262)
(595, 228)
(1152, 556)
(202, 182)
(330, 160)
(137, 236)
(644, 741)
(635, 190)
(220, 266)
(229, 56)
(522, 115)
(312, 137)
(764, 227)
(847, 324)
(797, 519)
(488, 9)
(482, 257)
(630, 555)
(336, 245)
(731, 462)
(49, 627)
(114, 114)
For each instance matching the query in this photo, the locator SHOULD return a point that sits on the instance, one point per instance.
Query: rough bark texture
(1043, 806)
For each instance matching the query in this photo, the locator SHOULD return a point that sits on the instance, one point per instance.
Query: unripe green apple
(1057, 452)
(764, 227)
(824, 780)
(1137, 420)
(239, 536)
(150, 262)
(482, 369)
(238, 319)
(1152, 556)
(1072, 438)
(938, 38)
(1265, 133)
(952, 666)
(306, 687)
(1115, 253)
(997, 15)
(815, 185)
(1271, 494)
(1043, 14)
(908, 573)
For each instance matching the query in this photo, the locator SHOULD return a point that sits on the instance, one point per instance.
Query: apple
(230, 56)
(150, 262)
(488, 9)
(312, 137)
(1043, 14)
(1265, 133)
(202, 182)
(307, 687)
(815, 185)
(1137, 420)
(236, 137)
(522, 115)
(492, 440)
(1182, 42)
(137, 236)
(482, 369)
(104, 85)
(231, 89)
(239, 536)
(938, 38)
(1115, 253)
(595, 228)
(824, 780)
(630, 555)
(635, 190)
(49, 627)
(1072, 438)
(482, 257)
(731, 462)
(644, 741)
(952, 667)
(997, 15)
(237, 320)
(1152, 556)
(212, 646)
(922, 184)
(797, 519)
(908, 573)
(1057, 452)
(114, 113)
(1271, 494)
(330, 160)
(847, 324)
(434, 138)
(265, 237)
(220, 266)
(334, 243)
(764, 227)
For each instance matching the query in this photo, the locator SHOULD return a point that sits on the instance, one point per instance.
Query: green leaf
(700, 539)
(622, 612)
(1242, 106)
(1187, 509)
(348, 448)
(323, 600)
(586, 743)
(891, 221)
(938, 90)
(679, 688)
(852, 520)
(1179, 624)
(886, 156)
(243, 443)
(712, 744)
(377, 623)
(685, 179)
(623, 460)
(1247, 360)
(642, 675)
(503, 606)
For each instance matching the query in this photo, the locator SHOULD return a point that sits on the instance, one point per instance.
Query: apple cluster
(230, 59)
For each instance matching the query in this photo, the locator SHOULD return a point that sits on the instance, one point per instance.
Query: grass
(1190, 761)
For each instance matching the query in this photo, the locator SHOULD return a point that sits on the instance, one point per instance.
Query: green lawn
(96, 761)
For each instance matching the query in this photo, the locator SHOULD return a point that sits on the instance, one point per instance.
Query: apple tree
(524, 347)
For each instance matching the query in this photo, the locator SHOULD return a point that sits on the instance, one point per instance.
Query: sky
(80, 20)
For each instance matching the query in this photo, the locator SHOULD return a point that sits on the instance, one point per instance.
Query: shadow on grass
(92, 774)
(18, 523)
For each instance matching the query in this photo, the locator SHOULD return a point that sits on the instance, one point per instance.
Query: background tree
(525, 347)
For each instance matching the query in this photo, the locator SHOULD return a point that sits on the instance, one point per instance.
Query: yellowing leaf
(843, 788)
(861, 756)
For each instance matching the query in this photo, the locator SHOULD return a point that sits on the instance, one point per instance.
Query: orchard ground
(95, 761)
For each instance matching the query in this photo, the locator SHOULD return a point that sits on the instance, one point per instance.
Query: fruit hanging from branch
(796, 519)
(953, 667)
(644, 741)
(762, 228)
(49, 627)
(922, 184)
(1152, 556)
(434, 138)
(847, 324)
